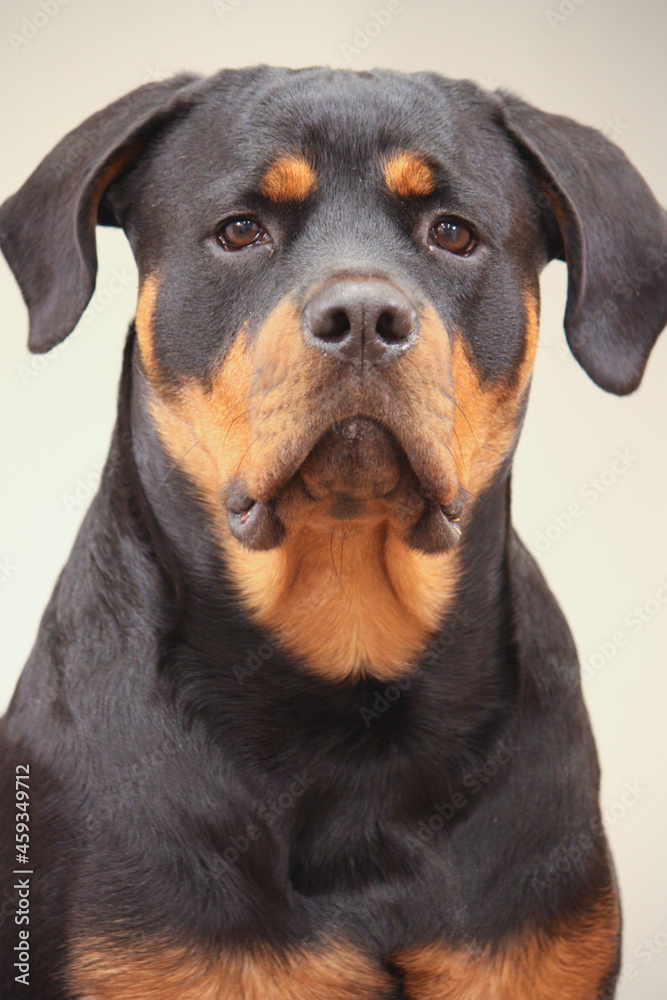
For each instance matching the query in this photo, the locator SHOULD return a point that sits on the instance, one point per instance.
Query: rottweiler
(303, 720)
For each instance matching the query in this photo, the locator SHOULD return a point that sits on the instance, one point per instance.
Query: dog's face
(338, 315)
(338, 302)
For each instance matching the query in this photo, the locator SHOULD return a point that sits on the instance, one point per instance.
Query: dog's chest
(570, 964)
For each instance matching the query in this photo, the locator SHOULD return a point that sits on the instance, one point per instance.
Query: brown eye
(236, 234)
(453, 235)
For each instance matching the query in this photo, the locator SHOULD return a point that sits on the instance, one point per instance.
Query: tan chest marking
(99, 970)
(344, 602)
(568, 965)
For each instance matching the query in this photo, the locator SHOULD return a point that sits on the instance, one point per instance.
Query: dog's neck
(344, 605)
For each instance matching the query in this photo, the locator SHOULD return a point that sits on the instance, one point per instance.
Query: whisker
(177, 462)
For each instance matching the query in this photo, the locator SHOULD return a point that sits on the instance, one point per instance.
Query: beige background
(600, 62)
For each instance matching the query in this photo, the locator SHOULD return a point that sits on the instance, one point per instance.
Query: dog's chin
(356, 475)
(355, 462)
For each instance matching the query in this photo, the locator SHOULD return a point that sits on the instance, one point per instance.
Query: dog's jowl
(302, 719)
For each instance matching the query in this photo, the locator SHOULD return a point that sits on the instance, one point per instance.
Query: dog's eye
(236, 234)
(453, 235)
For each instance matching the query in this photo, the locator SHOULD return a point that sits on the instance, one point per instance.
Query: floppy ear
(47, 229)
(613, 235)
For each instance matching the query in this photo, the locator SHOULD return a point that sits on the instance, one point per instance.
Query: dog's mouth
(356, 472)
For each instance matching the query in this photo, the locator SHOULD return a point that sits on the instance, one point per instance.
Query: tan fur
(409, 175)
(291, 178)
(113, 169)
(568, 965)
(486, 418)
(144, 325)
(238, 422)
(347, 602)
(100, 970)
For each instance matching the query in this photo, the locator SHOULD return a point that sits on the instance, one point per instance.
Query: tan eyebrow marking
(409, 175)
(290, 178)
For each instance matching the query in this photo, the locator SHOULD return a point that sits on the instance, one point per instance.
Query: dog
(303, 720)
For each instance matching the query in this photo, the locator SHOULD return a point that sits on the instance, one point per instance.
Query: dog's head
(338, 304)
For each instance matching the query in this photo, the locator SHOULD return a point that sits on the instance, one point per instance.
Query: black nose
(361, 322)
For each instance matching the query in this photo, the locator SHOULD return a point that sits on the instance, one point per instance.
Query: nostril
(334, 325)
(392, 326)
(339, 324)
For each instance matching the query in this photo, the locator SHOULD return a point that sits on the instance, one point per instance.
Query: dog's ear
(47, 229)
(604, 221)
